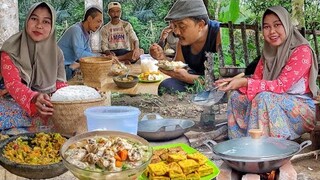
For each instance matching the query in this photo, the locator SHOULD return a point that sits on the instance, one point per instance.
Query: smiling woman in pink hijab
(278, 98)
(31, 68)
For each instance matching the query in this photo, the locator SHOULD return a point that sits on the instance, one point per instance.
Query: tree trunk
(298, 13)
(9, 19)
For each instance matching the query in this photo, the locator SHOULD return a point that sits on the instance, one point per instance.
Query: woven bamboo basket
(95, 70)
(68, 117)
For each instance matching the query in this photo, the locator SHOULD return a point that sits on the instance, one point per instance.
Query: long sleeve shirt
(19, 91)
(75, 44)
(293, 79)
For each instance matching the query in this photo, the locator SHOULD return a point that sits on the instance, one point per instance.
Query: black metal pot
(260, 155)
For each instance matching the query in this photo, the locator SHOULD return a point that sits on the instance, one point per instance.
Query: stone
(287, 172)
(250, 177)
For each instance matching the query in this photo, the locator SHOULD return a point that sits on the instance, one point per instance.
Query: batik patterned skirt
(277, 115)
(14, 120)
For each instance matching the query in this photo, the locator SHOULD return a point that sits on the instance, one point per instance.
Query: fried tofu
(158, 169)
(200, 158)
(175, 170)
(165, 156)
(158, 152)
(176, 157)
(179, 177)
(205, 170)
(188, 166)
(155, 159)
(175, 149)
(193, 176)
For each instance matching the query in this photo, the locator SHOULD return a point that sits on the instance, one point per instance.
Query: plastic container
(113, 118)
(148, 64)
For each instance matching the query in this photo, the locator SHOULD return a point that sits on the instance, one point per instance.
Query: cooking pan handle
(209, 144)
(304, 144)
(148, 115)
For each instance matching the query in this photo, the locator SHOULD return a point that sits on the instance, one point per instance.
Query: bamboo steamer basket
(95, 70)
(68, 117)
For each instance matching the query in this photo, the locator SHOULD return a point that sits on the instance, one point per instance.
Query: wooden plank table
(140, 88)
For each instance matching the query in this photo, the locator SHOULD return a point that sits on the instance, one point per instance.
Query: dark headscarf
(37, 62)
(275, 58)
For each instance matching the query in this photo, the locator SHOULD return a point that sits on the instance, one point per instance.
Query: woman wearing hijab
(31, 68)
(278, 98)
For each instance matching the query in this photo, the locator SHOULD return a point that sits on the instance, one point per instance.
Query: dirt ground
(180, 106)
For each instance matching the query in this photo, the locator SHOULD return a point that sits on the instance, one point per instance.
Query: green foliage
(147, 18)
(231, 12)
(68, 12)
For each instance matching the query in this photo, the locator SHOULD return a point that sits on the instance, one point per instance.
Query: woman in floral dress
(31, 68)
(278, 98)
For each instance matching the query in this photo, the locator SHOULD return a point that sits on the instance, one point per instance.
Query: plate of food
(171, 65)
(179, 161)
(150, 77)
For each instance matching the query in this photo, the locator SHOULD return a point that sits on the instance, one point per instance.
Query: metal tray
(160, 129)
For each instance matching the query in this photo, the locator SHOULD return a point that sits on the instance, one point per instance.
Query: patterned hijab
(276, 57)
(37, 62)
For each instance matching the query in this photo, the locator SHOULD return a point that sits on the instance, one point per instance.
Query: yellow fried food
(158, 169)
(155, 159)
(158, 152)
(188, 166)
(165, 156)
(179, 164)
(175, 170)
(176, 157)
(175, 149)
(205, 170)
(193, 176)
(200, 158)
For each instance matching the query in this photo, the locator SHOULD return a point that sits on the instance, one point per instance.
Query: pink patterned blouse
(19, 91)
(293, 79)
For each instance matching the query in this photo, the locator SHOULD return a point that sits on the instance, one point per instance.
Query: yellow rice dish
(43, 149)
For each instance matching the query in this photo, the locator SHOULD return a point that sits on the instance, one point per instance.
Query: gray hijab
(275, 58)
(37, 62)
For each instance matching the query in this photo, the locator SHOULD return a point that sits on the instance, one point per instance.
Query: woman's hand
(233, 83)
(157, 52)
(43, 105)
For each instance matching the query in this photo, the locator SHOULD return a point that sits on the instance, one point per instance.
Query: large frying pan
(160, 129)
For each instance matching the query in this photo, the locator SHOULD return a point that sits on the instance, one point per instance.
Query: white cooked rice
(75, 93)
